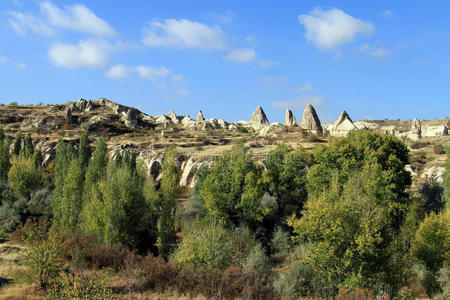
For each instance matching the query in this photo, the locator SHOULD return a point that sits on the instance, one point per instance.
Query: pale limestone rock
(173, 117)
(434, 172)
(290, 118)
(343, 125)
(416, 130)
(259, 117)
(430, 131)
(310, 121)
(187, 174)
(200, 116)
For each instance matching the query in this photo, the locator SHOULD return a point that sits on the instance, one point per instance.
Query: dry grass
(158, 296)
(21, 292)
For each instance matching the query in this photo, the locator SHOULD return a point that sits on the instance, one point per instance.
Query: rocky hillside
(200, 140)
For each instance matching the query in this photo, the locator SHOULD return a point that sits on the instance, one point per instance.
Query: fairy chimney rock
(200, 116)
(310, 121)
(290, 118)
(259, 117)
(173, 116)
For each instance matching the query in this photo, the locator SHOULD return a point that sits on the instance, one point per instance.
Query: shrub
(43, 254)
(89, 251)
(77, 285)
(205, 244)
(24, 177)
(431, 247)
(444, 282)
(40, 201)
(14, 103)
(9, 217)
(242, 130)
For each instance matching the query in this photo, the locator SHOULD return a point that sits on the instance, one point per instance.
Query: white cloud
(183, 33)
(21, 22)
(183, 92)
(275, 80)
(74, 18)
(90, 54)
(247, 55)
(387, 14)
(118, 71)
(298, 103)
(307, 87)
(3, 59)
(242, 55)
(22, 65)
(155, 74)
(377, 52)
(176, 78)
(151, 73)
(225, 18)
(329, 29)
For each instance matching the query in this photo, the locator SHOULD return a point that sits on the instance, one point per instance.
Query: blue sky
(375, 59)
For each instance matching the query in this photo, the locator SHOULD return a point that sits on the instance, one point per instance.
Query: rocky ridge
(199, 140)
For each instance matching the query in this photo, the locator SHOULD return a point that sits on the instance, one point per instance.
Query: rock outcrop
(290, 118)
(200, 116)
(131, 118)
(259, 117)
(172, 116)
(416, 130)
(342, 126)
(310, 121)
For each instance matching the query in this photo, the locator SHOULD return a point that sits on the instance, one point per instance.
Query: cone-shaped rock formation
(310, 121)
(259, 117)
(200, 116)
(290, 118)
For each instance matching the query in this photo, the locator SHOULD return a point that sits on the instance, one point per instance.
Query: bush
(294, 280)
(76, 285)
(91, 252)
(205, 244)
(9, 217)
(43, 254)
(24, 177)
(242, 130)
(431, 247)
(40, 201)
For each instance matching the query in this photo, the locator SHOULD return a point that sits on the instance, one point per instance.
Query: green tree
(169, 188)
(447, 176)
(24, 178)
(345, 155)
(287, 171)
(124, 206)
(71, 202)
(28, 145)
(84, 150)
(432, 248)
(350, 238)
(17, 147)
(64, 156)
(37, 158)
(93, 215)
(2, 135)
(5, 162)
(232, 189)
